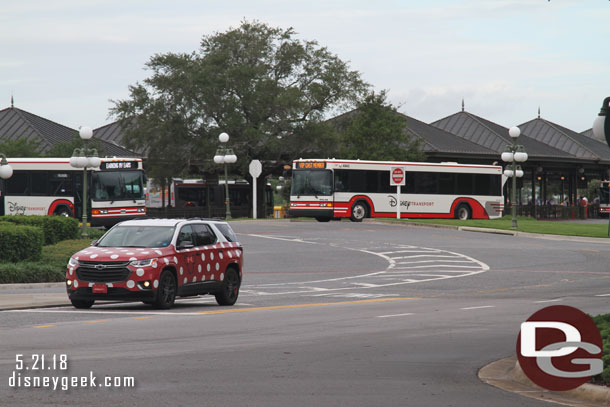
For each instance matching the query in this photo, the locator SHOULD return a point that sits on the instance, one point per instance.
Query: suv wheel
(83, 304)
(229, 289)
(166, 293)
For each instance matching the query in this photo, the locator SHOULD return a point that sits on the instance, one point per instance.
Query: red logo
(559, 348)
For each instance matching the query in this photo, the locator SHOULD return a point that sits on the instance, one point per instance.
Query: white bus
(51, 186)
(357, 189)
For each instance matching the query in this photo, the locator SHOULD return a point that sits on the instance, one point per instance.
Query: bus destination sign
(311, 165)
(119, 165)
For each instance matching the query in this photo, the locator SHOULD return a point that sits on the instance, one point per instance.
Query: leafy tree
(19, 148)
(267, 89)
(66, 148)
(376, 131)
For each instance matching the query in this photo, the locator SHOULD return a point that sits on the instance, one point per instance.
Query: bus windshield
(117, 185)
(312, 182)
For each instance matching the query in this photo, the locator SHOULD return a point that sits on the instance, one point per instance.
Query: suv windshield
(137, 236)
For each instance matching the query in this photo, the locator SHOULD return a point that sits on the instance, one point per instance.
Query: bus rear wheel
(360, 211)
(463, 212)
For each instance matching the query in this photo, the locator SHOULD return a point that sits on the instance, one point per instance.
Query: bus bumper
(111, 221)
(311, 213)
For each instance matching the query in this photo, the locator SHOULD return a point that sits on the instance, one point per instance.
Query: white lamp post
(225, 156)
(85, 158)
(514, 153)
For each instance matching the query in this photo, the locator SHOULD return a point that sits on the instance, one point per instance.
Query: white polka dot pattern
(131, 284)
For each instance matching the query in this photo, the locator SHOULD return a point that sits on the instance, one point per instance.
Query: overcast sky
(65, 59)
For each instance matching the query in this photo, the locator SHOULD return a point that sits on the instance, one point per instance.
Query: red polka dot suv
(157, 260)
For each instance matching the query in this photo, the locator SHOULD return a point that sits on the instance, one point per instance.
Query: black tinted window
(203, 235)
(227, 232)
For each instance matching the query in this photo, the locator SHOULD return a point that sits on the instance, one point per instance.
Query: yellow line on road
(319, 304)
(96, 321)
(44, 326)
(142, 317)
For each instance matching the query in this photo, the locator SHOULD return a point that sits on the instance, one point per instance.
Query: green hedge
(603, 324)
(20, 242)
(55, 228)
(30, 272)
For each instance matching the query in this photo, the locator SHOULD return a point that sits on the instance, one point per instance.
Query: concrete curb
(506, 374)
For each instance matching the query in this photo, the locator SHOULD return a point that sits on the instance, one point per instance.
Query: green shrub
(50, 268)
(55, 228)
(603, 324)
(30, 272)
(20, 243)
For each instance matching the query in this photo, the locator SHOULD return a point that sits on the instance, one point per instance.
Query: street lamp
(6, 171)
(225, 156)
(601, 129)
(514, 153)
(85, 158)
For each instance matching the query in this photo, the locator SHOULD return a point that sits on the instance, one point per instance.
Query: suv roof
(166, 222)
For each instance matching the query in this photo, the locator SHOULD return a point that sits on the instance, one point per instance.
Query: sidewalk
(506, 374)
(36, 295)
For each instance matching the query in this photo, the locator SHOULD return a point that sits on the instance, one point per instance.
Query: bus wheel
(462, 212)
(322, 219)
(359, 211)
(63, 211)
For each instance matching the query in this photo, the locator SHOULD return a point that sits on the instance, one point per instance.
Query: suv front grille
(103, 272)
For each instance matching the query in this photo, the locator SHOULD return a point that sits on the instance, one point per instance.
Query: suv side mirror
(94, 243)
(185, 244)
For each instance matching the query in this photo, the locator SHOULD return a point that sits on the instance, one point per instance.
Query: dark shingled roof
(494, 136)
(16, 124)
(113, 133)
(440, 141)
(567, 140)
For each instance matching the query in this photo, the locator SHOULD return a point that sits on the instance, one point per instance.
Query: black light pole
(514, 153)
(85, 158)
(601, 130)
(225, 156)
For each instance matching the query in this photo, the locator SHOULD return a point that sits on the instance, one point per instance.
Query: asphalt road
(330, 314)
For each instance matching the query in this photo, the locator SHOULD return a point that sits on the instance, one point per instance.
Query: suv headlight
(73, 262)
(144, 263)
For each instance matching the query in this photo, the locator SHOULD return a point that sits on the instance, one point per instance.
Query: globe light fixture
(6, 171)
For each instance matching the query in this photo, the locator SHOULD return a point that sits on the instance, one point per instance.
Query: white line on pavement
(394, 315)
(480, 307)
(543, 301)
(603, 295)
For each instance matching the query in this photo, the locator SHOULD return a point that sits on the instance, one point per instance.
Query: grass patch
(51, 267)
(526, 224)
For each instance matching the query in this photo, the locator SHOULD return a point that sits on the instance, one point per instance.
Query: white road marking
(438, 265)
(602, 295)
(543, 301)
(395, 315)
(480, 307)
